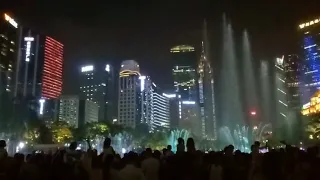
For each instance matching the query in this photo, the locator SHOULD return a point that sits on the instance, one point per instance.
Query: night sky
(113, 31)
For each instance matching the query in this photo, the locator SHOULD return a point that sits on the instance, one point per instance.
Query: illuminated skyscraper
(97, 84)
(155, 106)
(206, 92)
(310, 50)
(294, 82)
(130, 86)
(146, 89)
(160, 109)
(280, 123)
(9, 35)
(52, 68)
(175, 110)
(185, 83)
(39, 70)
(184, 71)
(293, 78)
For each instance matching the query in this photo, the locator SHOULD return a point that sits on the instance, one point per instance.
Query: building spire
(204, 43)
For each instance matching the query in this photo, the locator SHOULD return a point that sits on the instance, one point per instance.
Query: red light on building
(52, 69)
(253, 113)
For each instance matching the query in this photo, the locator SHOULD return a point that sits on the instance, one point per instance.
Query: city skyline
(172, 28)
(218, 74)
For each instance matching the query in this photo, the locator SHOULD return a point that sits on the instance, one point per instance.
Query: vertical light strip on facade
(180, 109)
(28, 47)
(142, 84)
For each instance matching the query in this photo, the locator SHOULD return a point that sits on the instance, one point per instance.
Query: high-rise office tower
(310, 43)
(280, 122)
(155, 106)
(206, 92)
(129, 102)
(184, 71)
(185, 83)
(39, 70)
(174, 109)
(292, 68)
(97, 84)
(160, 109)
(294, 82)
(76, 111)
(9, 41)
(146, 89)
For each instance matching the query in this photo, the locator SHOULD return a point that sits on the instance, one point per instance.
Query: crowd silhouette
(187, 163)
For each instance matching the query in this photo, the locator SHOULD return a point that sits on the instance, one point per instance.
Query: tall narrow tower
(206, 91)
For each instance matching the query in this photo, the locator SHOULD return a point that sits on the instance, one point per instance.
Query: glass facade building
(281, 97)
(185, 77)
(39, 68)
(160, 109)
(293, 78)
(310, 54)
(184, 71)
(97, 84)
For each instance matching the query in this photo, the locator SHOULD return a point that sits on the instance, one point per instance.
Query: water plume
(232, 111)
(250, 88)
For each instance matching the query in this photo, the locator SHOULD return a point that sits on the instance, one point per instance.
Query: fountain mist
(174, 135)
(265, 90)
(250, 88)
(241, 137)
(238, 137)
(230, 83)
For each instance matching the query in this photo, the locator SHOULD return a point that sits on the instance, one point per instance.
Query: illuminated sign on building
(188, 102)
(28, 48)
(180, 111)
(11, 20)
(310, 23)
(28, 39)
(108, 68)
(41, 101)
(87, 68)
